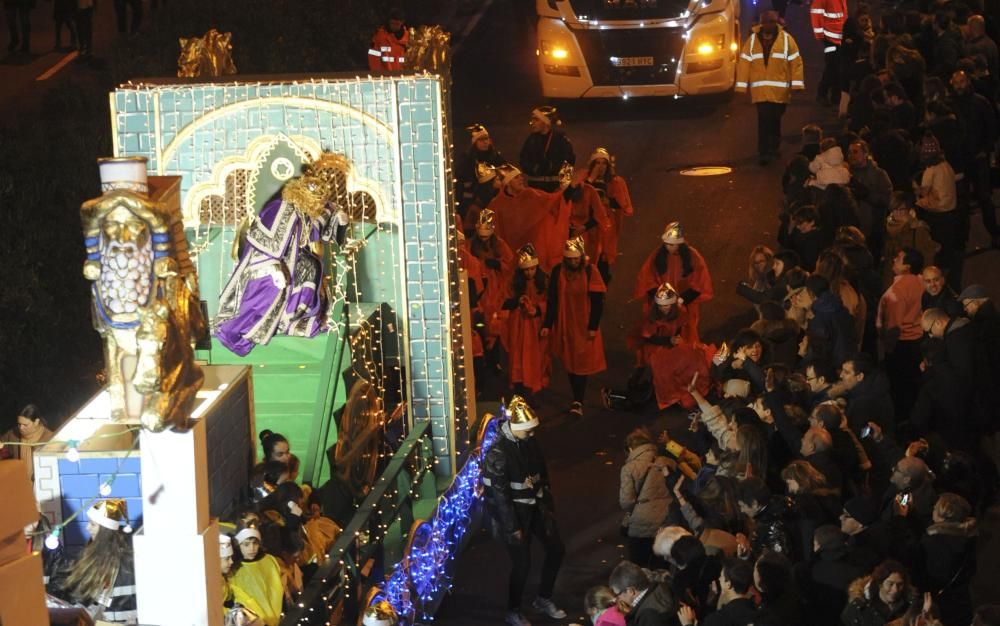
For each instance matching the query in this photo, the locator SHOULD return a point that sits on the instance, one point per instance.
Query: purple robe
(275, 288)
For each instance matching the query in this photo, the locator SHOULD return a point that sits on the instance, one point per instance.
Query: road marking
(63, 62)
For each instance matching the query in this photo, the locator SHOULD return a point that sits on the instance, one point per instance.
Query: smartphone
(866, 432)
(904, 500)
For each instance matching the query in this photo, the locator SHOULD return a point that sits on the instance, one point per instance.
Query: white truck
(627, 48)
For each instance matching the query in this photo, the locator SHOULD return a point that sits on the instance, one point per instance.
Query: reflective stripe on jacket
(774, 78)
(828, 17)
(387, 53)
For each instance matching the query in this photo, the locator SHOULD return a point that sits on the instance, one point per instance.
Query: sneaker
(576, 409)
(548, 607)
(514, 618)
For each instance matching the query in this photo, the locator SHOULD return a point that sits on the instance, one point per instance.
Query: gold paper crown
(527, 256)
(507, 173)
(673, 233)
(487, 222)
(477, 132)
(665, 294)
(522, 416)
(600, 153)
(485, 172)
(574, 247)
(111, 514)
(380, 614)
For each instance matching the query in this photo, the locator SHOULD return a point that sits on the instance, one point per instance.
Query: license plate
(631, 61)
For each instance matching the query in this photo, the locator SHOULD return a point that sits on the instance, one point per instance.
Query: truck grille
(665, 45)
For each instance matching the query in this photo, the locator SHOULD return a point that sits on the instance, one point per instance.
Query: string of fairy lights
(72, 454)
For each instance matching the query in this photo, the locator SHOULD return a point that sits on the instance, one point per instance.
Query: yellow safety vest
(774, 80)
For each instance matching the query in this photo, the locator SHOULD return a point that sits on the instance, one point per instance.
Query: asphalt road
(495, 83)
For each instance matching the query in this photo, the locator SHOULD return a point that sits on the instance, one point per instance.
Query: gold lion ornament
(211, 55)
(145, 298)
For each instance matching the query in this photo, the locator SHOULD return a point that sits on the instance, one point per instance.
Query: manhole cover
(708, 170)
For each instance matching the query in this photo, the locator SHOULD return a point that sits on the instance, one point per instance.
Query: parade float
(278, 253)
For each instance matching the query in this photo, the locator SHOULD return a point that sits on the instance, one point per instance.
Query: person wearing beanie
(826, 578)
(387, 52)
(936, 205)
(546, 149)
(867, 541)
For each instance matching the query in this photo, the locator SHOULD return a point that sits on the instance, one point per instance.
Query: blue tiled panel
(410, 107)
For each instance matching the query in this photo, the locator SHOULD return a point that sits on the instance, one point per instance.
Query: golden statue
(145, 298)
(429, 50)
(211, 55)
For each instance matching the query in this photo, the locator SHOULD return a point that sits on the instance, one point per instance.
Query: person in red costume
(528, 353)
(573, 317)
(527, 215)
(474, 274)
(681, 265)
(497, 262)
(614, 194)
(588, 218)
(672, 360)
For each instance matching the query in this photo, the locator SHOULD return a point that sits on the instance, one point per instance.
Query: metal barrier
(360, 544)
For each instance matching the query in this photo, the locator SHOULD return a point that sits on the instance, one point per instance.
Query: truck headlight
(553, 50)
(710, 45)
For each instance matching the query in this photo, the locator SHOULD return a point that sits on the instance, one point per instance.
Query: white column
(179, 582)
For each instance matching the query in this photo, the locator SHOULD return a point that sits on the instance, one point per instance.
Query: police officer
(520, 502)
(545, 150)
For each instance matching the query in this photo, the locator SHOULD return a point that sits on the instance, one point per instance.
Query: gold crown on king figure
(527, 256)
(522, 416)
(574, 247)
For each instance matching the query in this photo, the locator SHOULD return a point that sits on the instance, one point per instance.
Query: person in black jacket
(831, 320)
(650, 605)
(695, 574)
(937, 293)
(736, 605)
(867, 543)
(826, 578)
(768, 519)
(520, 503)
(780, 600)
(868, 398)
(545, 150)
(944, 559)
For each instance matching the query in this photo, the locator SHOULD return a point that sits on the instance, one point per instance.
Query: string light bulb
(72, 454)
(52, 541)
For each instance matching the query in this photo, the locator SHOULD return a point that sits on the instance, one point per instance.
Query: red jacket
(828, 17)
(387, 52)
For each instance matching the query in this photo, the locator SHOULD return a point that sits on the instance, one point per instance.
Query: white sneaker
(514, 618)
(548, 607)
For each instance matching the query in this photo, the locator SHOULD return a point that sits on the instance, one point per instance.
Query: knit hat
(863, 509)
(930, 148)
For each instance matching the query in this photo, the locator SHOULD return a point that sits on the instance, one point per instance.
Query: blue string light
(424, 574)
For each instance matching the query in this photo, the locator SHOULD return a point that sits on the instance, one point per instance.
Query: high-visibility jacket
(828, 17)
(387, 52)
(771, 79)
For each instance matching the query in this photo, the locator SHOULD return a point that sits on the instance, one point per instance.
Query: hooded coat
(865, 608)
(945, 563)
(829, 168)
(642, 492)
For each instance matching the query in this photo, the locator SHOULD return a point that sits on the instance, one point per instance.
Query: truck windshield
(628, 9)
